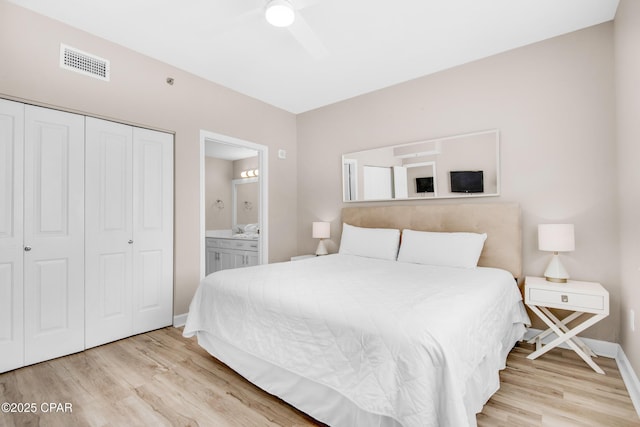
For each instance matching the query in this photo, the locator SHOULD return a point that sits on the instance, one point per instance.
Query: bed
(369, 337)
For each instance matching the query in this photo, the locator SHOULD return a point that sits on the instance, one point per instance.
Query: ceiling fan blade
(301, 4)
(302, 32)
(242, 20)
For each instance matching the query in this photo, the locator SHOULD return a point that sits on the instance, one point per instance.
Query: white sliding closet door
(152, 229)
(11, 249)
(53, 234)
(109, 232)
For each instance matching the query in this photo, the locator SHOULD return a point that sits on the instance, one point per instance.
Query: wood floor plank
(163, 379)
(559, 389)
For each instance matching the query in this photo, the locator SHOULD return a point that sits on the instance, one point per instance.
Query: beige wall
(554, 105)
(138, 94)
(218, 176)
(627, 42)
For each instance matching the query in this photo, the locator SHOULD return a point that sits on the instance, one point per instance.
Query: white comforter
(397, 339)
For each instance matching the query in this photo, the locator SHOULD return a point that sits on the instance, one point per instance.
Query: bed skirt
(329, 406)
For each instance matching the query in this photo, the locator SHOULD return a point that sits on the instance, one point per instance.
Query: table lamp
(556, 238)
(321, 230)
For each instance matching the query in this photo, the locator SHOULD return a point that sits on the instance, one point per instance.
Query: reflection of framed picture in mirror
(424, 184)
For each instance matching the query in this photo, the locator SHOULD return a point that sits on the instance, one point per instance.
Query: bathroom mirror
(465, 165)
(245, 196)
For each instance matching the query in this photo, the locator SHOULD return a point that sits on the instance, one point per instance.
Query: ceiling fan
(298, 26)
(286, 15)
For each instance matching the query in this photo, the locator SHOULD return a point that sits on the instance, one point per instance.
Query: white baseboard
(606, 349)
(630, 378)
(180, 320)
(601, 348)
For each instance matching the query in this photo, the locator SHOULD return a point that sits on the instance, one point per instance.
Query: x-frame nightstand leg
(564, 334)
(562, 324)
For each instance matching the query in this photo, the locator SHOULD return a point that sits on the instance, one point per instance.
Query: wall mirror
(245, 196)
(465, 165)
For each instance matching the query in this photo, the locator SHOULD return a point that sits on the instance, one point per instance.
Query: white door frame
(263, 213)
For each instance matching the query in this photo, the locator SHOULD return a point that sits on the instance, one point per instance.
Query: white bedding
(416, 343)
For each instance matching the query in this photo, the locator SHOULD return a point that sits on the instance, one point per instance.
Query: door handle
(130, 242)
(27, 248)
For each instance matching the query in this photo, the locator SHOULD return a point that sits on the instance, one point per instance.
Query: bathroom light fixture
(556, 238)
(279, 13)
(321, 230)
(250, 173)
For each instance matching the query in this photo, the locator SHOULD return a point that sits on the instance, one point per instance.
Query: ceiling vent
(84, 63)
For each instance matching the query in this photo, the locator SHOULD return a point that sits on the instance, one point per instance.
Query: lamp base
(322, 249)
(555, 271)
(554, 280)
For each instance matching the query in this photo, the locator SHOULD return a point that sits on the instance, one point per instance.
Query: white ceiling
(336, 49)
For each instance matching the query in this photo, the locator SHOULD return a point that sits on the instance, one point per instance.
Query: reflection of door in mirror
(350, 174)
(378, 183)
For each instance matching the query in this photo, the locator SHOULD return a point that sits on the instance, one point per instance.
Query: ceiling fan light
(279, 13)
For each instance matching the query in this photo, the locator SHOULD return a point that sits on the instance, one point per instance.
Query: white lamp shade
(556, 237)
(321, 230)
(280, 13)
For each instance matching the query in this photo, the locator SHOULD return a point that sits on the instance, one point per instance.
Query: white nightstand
(299, 257)
(579, 297)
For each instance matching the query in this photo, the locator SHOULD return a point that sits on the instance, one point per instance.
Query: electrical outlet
(282, 154)
(632, 320)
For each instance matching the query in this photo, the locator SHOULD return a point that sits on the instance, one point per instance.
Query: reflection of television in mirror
(424, 185)
(467, 181)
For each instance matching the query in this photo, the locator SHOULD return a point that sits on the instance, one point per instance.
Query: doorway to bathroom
(233, 203)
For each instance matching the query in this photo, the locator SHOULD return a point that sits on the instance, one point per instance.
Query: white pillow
(443, 249)
(370, 242)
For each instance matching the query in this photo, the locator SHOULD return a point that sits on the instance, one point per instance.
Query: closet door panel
(150, 294)
(11, 231)
(109, 274)
(51, 295)
(153, 229)
(53, 234)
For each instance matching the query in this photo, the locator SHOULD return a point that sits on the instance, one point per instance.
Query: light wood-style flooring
(162, 379)
(558, 389)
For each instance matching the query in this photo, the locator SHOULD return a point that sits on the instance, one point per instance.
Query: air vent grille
(84, 63)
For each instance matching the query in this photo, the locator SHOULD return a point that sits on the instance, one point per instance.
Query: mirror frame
(435, 142)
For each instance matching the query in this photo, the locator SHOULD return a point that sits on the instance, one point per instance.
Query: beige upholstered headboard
(501, 222)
